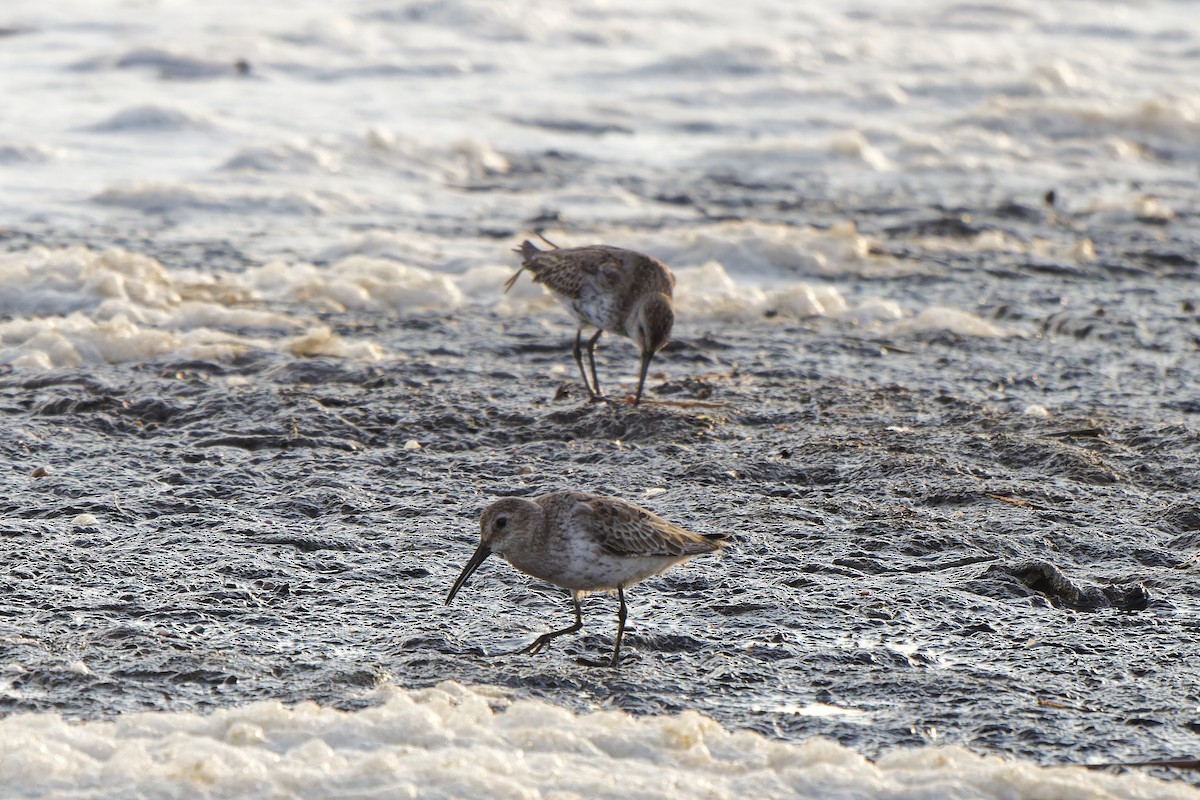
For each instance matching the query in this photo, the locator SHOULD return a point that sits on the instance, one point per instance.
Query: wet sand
(987, 541)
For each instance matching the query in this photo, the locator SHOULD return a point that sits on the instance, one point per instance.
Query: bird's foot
(536, 647)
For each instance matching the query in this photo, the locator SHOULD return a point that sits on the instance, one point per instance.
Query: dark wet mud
(911, 540)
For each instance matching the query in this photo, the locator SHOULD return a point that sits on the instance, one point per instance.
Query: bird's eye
(501, 522)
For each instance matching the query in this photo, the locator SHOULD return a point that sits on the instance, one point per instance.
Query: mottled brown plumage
(610, 289)
(584, 543)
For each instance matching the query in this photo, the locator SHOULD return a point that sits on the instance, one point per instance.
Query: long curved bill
(481, 552)
(637, 398)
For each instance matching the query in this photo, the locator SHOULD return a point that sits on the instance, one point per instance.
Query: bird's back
(620, 528)
(599, 282)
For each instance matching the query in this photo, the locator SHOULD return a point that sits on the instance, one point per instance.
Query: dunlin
(585, 543)
(610, 289)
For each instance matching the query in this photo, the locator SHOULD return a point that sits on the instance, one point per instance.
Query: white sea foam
(939, 319)
(756, 252)
(734, 58)
(168, 64)
(73, 306)
(315, 125)
(321, 341)
(1162, 118)
(708, 292)
(452, 741)
(76, 340)
(421, 250)
(874, 310)
(778, 160)
(24, 153)
(158, 198)
(757, 91)
(289, 157)
(821, 710)
(143, 119)
(360, 283)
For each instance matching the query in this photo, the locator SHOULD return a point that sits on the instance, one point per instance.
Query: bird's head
(651, 323)
(502, 523)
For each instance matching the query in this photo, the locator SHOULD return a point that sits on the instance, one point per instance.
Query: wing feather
(565, 271)
(624, 529)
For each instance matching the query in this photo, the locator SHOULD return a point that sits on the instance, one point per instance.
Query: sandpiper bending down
(585, 543)
(610, 289)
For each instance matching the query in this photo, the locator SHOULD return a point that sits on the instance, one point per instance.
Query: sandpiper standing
(611, 289)
(585, 543)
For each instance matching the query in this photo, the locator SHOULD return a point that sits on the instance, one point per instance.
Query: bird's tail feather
(508, 283)
(528, 251)
(719, 540)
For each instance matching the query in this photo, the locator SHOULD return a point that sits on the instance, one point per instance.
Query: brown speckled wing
(563, 271)
(624, 529)
(653, 274)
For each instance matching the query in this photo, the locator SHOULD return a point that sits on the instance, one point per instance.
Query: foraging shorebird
(585, 543)
(610, 289)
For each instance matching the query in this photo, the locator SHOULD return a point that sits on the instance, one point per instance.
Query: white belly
(591, 570)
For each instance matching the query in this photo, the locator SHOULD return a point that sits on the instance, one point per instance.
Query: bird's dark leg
(579, 360)
(599, 395)
(545, 638)
(616, 655)
(637, 398)
(621, 613)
